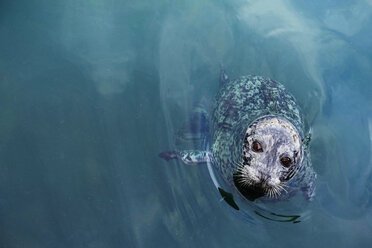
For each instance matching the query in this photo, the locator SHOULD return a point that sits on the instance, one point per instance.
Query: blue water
(91, 92)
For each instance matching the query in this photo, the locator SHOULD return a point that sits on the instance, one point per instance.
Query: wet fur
(239, 103)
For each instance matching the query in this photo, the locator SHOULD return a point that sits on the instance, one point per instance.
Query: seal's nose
(264, 177)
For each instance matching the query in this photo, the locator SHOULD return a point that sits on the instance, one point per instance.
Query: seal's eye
(286, 161)
(256, 146)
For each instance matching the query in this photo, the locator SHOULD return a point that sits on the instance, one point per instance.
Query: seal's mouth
(253, 189)
(249, 191)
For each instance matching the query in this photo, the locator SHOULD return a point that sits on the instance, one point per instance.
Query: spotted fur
(238, 104)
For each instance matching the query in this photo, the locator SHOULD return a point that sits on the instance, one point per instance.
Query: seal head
(272, 154)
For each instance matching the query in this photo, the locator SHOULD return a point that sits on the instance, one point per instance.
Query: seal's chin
(251, 192)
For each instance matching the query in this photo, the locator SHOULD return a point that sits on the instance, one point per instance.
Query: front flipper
(189, 157)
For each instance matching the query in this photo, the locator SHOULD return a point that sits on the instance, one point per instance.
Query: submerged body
(257, 140)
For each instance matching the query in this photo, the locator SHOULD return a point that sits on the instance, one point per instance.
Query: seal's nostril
(264, 178)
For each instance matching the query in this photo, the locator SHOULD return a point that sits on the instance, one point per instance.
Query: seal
(257, 143)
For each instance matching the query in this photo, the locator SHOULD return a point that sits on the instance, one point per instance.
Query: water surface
(91, 92)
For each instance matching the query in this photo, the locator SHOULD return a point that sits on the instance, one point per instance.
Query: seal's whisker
(246, 182)
(272, 192)
(239, 164)
(276, 191)
(282, 187)
(277, 194)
